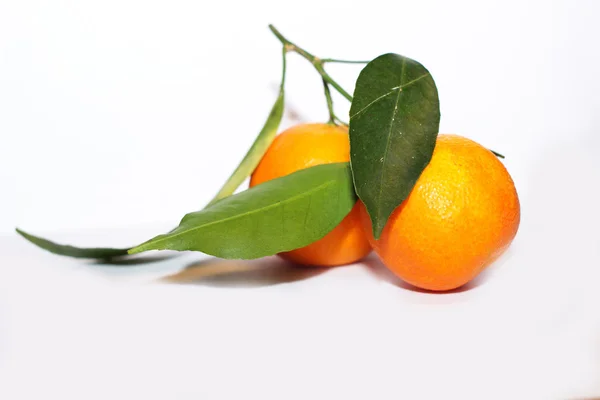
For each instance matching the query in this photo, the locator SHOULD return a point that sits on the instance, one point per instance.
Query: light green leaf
(279, 215)
(260, 145)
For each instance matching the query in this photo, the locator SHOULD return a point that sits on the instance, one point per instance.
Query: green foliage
(279, 215)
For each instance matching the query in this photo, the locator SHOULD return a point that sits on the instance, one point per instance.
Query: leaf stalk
(315, 61)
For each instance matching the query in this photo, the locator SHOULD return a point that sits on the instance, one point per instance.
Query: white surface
(118, 114)
(528, 329)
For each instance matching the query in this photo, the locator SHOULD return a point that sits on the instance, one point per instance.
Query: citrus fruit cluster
(461, 215)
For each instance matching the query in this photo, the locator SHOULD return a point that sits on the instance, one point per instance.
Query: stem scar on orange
(304, 146)
(461, 215)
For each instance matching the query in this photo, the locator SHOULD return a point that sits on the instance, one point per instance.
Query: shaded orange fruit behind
(304, 146)
(461, 215)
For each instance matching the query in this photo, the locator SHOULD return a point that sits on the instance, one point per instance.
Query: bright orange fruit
(461, 215)
(304, 146)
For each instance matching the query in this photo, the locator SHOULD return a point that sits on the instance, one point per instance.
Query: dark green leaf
(71, 251)
(394, 122)
(278, 215)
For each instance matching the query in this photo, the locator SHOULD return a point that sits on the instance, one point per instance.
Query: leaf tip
(377, 230)
(24, 234)
(497, 154)
(377, 225)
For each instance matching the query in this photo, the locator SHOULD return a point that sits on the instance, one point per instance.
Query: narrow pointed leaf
(279, 215)
(72, 251)
(260, 145)
(394, 122)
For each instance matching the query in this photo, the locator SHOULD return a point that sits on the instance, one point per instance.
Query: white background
(118, 117)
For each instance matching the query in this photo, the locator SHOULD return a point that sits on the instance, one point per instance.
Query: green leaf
(71, 251)
(394, 122)
(260, 145)
(279, 215)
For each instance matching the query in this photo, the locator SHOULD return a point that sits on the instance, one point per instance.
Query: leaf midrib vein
(387, 146)
(310, 192)
(392, 90)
